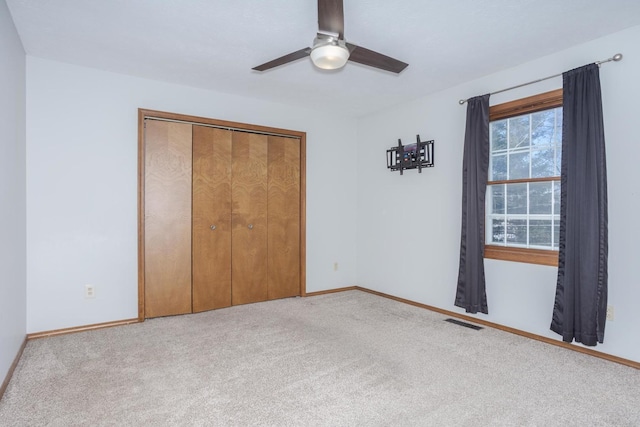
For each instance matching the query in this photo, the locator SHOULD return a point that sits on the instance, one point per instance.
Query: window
(523, 191)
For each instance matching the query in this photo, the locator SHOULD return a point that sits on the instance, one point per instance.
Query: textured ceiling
(213, 44)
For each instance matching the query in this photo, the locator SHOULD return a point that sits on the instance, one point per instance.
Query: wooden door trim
(303, 214)
(225, 124)
(197, 120)
(141, 160)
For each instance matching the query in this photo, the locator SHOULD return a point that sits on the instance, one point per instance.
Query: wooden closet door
(211, 218)
(249, 218)
(283, 217)
(167, 221)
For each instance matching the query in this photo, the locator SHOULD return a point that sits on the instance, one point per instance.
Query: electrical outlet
(335, 266)
(89, 291)
(610, 313)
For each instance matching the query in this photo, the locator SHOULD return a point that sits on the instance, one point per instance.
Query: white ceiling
(213, 44)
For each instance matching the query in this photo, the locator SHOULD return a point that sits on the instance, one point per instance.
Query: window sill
(530, 256)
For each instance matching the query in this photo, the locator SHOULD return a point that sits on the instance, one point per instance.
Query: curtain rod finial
(462, 101)
(617, 57)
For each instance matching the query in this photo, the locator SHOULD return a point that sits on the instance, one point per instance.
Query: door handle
(250, 226)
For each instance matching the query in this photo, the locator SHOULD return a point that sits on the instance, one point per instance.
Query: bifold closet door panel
(284, 217)
(249, 218)
(211, 218)
(167, 220)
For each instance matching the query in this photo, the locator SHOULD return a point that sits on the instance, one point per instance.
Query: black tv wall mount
(412, 156)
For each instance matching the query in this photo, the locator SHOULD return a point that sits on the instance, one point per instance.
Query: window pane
(517, 198)
(556, 197)
(499, 135)
(497, 231)
(558, 130)
(540, 232)
(497, 199)
(542, 163)
(517, 231)
(540, 199)
(526, 148)
(543, 128)
(519, 132)
(519, 165)
(498, 168)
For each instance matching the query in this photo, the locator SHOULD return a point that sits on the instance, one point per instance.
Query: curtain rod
(617, 57)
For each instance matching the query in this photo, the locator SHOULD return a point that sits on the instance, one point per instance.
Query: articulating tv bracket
(412, 156)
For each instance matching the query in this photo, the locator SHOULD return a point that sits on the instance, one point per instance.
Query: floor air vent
(465, 324)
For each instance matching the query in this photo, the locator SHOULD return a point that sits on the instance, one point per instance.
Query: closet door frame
(144, 114)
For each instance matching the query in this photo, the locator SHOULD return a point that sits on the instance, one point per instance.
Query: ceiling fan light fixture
(330, 56)
(330, 51)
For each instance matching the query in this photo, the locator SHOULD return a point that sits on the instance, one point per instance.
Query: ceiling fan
(330, 51)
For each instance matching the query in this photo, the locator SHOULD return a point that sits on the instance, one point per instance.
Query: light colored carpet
(345, 359)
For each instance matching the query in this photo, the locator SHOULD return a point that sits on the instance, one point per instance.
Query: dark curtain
(581, 293)
(471, 294)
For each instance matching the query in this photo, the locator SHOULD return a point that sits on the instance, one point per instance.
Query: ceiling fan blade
(331, 17)
(284, 59)
(375, 59)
